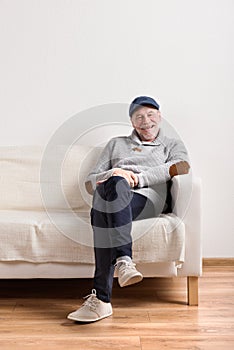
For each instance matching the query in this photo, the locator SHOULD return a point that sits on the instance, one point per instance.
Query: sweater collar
(156, 142)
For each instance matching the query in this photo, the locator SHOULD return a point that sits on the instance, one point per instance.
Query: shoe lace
(92, 300)
(122, 265)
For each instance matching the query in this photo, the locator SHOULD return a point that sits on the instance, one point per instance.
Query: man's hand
(179, 168)
(131, 178)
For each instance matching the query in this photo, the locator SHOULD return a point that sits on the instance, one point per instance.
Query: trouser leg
(114, 208)
(111, 219)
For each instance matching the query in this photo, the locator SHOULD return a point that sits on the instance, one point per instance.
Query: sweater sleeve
(160, 174)
(102, 170)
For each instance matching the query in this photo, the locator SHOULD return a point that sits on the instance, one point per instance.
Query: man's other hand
(179, 168)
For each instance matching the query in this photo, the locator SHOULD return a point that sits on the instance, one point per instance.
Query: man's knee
(113, 180)
(116, 184)
(115, 191)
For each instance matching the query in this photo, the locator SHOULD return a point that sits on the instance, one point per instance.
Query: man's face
(146, 121)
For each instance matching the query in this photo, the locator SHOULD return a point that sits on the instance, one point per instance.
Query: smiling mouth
(148, 127)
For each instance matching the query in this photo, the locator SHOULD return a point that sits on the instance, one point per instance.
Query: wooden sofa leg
(192, 287)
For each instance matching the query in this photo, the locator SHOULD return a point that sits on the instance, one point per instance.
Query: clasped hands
(179, 168)
(131, 178)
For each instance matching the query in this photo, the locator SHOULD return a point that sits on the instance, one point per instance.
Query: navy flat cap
(142, 101)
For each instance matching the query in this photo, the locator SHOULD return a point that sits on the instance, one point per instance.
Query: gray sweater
(149, 160)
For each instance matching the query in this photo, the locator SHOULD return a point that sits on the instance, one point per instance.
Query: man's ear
(132, 122)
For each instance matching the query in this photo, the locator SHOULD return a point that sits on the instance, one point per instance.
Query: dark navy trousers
(114, 208)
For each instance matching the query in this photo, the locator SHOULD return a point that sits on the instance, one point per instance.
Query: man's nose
(146, 118)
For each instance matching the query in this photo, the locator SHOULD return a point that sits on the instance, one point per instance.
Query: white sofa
(44, 220)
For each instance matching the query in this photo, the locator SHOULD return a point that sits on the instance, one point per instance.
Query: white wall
(59, 57)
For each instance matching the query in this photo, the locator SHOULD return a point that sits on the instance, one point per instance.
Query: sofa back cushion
(36, 178)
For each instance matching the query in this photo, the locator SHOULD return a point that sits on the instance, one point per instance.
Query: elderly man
(129, 182)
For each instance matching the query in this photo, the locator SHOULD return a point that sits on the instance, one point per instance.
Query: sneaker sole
(131, 280)
(88, 320)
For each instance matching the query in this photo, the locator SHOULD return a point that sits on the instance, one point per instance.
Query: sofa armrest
(186, 204)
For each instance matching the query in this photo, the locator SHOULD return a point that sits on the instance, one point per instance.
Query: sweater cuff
(141, 181)
(150, 179)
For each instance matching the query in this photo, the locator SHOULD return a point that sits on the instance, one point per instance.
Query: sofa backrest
(34, 178)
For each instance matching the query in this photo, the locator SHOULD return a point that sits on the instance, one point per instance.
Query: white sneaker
(91, 310)
(127, 273)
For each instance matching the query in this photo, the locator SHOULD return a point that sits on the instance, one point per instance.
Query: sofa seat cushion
(60, 236)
